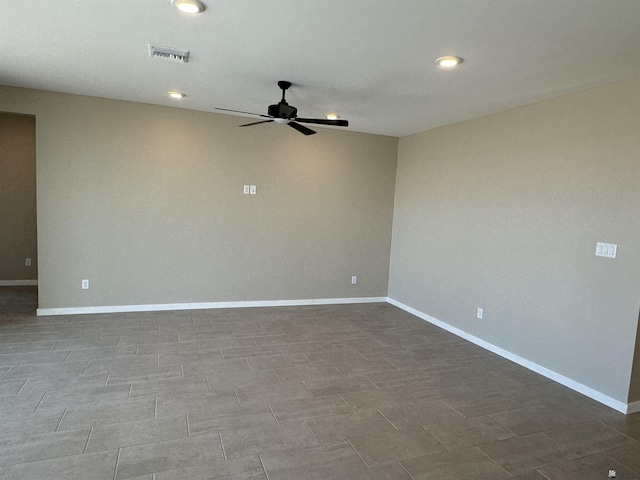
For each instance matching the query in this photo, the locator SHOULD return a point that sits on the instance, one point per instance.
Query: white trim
(205, 305)
(633, 408)
(561, 379)
(18, 283)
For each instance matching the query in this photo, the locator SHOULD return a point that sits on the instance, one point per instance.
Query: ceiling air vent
(174, 54)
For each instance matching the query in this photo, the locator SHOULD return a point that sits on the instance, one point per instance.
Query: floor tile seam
(20, 389)
(60, 421)
(357, 453)
(315, 417)
(616, 430)
(37, 460)
(273, 414)
(235, 390)
(554, 441)
(115, 470)
(546, 434)
(436, 439)
(37, 364)
(476, 447)
(224, 453)
(40, 402)
(606, 454)
(406, 471)
(462, 415)
(390, 422)
(368, 378)
(313, 434)
(140, 443)
(186, 418)
(263, 467)
(541, 473)
(86, 445)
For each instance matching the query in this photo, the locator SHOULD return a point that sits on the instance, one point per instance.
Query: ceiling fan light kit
(283, 113)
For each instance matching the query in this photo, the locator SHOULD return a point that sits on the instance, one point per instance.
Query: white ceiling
(371, 61)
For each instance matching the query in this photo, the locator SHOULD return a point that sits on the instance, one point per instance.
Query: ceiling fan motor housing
(282, 110)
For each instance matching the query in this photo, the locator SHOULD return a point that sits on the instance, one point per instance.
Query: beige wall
(504, 213)
(18, 238)
(147, 203)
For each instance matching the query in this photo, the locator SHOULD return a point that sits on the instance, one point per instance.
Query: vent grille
(168, 53)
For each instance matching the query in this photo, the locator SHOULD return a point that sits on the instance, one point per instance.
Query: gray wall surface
(504, 212)
(147, 203)
(18, 229)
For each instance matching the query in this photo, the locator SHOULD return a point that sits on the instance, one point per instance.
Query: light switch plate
(607, 250)
(252, 189)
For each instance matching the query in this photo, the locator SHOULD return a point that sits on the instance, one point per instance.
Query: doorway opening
(18, 214)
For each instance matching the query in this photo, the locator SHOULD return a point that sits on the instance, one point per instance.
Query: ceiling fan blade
(240, 111)
(255, 123)
(324, 121)
(301, 128)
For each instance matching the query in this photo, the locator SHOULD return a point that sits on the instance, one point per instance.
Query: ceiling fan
(282, 112)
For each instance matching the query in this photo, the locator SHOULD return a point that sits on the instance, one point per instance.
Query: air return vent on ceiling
(174, 54)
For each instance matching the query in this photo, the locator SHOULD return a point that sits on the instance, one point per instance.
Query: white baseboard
(18, 283)
(556, 377)
(205, 305)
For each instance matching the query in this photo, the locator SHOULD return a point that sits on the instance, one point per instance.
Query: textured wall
(147, 203)
(18, 231)
(504, 213)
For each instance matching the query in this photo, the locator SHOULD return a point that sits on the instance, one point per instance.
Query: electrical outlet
(245, 190)
(85, 284)
(354, 280)
(27, 262)
(480, 313)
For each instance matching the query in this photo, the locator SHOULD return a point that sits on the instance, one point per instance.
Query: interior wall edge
(596, 395)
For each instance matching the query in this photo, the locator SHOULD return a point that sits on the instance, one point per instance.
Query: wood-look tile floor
(299, 393)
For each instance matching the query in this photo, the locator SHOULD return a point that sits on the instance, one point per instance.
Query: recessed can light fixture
(448, 62)
(332, 116)
(176, 95)
(189, 6)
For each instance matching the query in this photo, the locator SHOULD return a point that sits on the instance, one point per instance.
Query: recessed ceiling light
(448, 62)
(332, 116)
(189, 6)
(176, 95)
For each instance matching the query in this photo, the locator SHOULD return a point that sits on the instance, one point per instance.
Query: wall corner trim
(545, 372)
(204, 305)
(18, 283)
